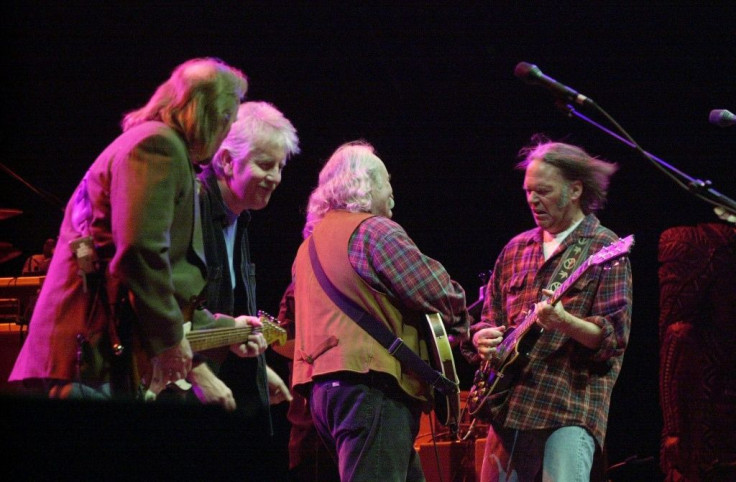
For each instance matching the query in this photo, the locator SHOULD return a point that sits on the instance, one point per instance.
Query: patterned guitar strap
(571, 259)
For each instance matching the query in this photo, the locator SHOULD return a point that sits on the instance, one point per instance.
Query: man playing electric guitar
(554, 416)
(241, 178)
(243, 175)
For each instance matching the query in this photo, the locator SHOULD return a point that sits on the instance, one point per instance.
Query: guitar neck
(521, 329)
(217, 337)
(530, 318)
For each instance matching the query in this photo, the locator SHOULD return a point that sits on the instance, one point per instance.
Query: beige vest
(326, 339)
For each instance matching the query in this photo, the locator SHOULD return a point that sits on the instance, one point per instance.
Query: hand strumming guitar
(172, 364)
(209, 389)
(486, 340)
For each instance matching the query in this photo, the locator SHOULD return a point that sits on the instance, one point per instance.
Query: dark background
(431, 85)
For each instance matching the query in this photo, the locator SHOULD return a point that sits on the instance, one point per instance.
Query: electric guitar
(447, 403)
(200, 340)
(494, 379)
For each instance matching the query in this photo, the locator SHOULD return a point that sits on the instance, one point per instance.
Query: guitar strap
(574, 254)
(380, 332)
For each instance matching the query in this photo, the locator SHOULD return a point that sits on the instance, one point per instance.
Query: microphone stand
(701, 189)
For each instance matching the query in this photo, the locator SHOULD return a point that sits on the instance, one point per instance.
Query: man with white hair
(365, 403)
(243, 175)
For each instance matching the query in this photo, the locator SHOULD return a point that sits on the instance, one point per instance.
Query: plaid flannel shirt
(564, 383)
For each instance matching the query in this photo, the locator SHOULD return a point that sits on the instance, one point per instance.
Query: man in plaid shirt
(555, 414)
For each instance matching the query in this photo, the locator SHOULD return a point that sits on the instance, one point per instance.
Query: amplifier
(18, 297)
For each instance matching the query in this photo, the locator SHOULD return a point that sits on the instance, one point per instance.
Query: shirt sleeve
(611, 310)
(384, 255)
(491, 316)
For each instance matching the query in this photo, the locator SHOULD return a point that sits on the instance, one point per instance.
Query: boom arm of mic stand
(701, 189)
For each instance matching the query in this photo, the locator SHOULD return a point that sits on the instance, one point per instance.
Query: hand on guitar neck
(256, 342)
(554, 317)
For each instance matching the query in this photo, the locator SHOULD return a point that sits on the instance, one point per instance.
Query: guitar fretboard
(216, 337)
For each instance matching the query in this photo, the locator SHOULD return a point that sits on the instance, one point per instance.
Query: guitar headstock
(272, 330)
(613, 251)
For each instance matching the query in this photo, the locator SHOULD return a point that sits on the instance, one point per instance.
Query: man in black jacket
(242, 176)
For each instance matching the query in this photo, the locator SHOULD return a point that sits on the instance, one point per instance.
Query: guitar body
(446, 405)
(494, 380)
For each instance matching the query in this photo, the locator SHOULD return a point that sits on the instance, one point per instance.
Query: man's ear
(226, 161)
(576, 189)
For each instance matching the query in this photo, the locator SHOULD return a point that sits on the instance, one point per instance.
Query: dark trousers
(369, 425)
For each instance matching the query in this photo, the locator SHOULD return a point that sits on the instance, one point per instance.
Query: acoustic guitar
(446, 402)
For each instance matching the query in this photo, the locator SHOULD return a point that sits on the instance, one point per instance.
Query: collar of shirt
(551, 246)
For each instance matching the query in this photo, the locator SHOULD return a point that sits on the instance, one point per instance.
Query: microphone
(722, 118)
(531, 74)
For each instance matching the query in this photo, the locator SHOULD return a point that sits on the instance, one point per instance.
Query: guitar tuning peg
(270, 318)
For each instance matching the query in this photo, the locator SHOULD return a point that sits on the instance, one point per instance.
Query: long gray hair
(345, 182)
(186, 101)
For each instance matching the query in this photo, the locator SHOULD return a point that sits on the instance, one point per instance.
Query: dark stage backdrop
(431, 85)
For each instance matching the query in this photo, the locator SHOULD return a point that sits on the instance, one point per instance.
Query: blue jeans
(563, 454)
(369, 427)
